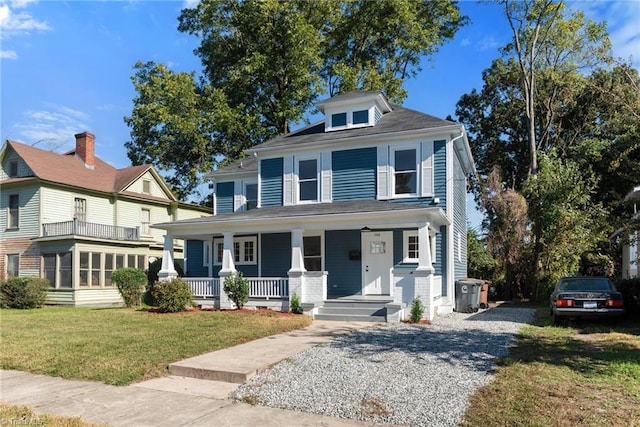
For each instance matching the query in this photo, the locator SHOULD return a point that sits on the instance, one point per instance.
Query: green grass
(16, 415)
(586, 374)
(118, 345)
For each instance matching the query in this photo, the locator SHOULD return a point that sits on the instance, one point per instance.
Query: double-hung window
(312, 253)
(308, 180)
(80, 209)
(244, 250)
(145, 221)
(410, 246)
(14, 211)
(405, 172)
(13, 265)
(251, 196)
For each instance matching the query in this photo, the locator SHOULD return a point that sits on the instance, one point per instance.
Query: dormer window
(338, 120)
(13, 168)
(360, 117)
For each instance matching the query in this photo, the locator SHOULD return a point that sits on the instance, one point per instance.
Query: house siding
(155, 189)
(194, 263)
(28, 213)
(58, 206)
(345, 275)
(271, 185)
(354, 174)
(224, 197)
(23, 169)
(275, 252)
(459, 219)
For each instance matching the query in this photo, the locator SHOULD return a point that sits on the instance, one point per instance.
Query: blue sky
(65, 66)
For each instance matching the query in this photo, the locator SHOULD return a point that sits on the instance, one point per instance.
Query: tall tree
(547, 42)
(265, 62)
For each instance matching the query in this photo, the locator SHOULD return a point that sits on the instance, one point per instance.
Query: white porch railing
(259, 287)
(436, 289)
(268, 287)
(204, 287)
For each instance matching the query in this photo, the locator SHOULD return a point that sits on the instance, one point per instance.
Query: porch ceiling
(318, 216)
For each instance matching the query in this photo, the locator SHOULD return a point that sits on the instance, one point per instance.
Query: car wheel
(557, 320)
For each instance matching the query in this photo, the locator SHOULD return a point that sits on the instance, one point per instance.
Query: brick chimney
(85, 148)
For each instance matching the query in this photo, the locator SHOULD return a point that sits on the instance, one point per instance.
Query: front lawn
(586, 374)
(119, 345)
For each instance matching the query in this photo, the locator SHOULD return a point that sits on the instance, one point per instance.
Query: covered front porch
(352, 254)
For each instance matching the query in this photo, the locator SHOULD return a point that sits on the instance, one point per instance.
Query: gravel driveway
(398, 374)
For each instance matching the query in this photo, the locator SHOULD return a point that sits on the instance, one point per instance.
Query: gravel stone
(417, 375)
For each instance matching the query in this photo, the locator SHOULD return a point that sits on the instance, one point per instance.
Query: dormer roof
(355, 97)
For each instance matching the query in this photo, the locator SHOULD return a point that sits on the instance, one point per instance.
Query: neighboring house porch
(357, 252)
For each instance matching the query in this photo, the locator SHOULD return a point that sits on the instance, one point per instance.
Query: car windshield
(578, 284)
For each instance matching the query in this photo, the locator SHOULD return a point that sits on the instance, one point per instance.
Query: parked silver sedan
(585, 297)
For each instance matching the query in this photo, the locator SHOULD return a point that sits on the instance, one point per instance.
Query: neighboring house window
(14, 211)
(108, 269)
(308, 180)
(142, 265)
(57, 268)
(251, 196)
(339, 119)
(146, 186)
(84, 269)
(13, 265)
(13, 168)
(119, 261)
(360, 117)
(206, 253)
(131, 261)
(244, 250)
(80, 209)
(405, 172)
(96, 268)
(49, 268)
(312, 253)
(145, 221)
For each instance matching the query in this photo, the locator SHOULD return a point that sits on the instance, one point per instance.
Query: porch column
(228, 264)
(424, 249)
(296, 273)
(168, 271)
(228, 268)
(297, 251)
(423, 276)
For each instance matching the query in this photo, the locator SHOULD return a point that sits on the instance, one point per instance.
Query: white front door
(377, 261)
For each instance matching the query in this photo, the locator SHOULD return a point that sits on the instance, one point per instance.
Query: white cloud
(465, 42)
(8, 54)
(487, 43)
(623, 24)
(20, 23)
(54, 123)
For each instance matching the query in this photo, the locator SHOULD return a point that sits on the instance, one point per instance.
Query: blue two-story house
(358, 214)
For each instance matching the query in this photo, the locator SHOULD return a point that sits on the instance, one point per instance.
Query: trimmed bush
(172, 296)
(23, 292)
(130, 283)
(237, 288)
(417, 310)
(152, 278)
(295, 304)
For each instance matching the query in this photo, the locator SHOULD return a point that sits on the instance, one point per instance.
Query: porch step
(354, 310)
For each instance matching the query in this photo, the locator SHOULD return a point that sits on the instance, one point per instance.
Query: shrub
(130, 283)
(237, 288)
(630, 290)
(23, 292)
(172, 296)
(152, 278)
(417, 310)
(295, 304)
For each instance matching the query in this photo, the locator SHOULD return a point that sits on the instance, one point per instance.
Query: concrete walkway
(199, 395)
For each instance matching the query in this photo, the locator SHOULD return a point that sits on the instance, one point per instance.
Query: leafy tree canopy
(264, 65)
